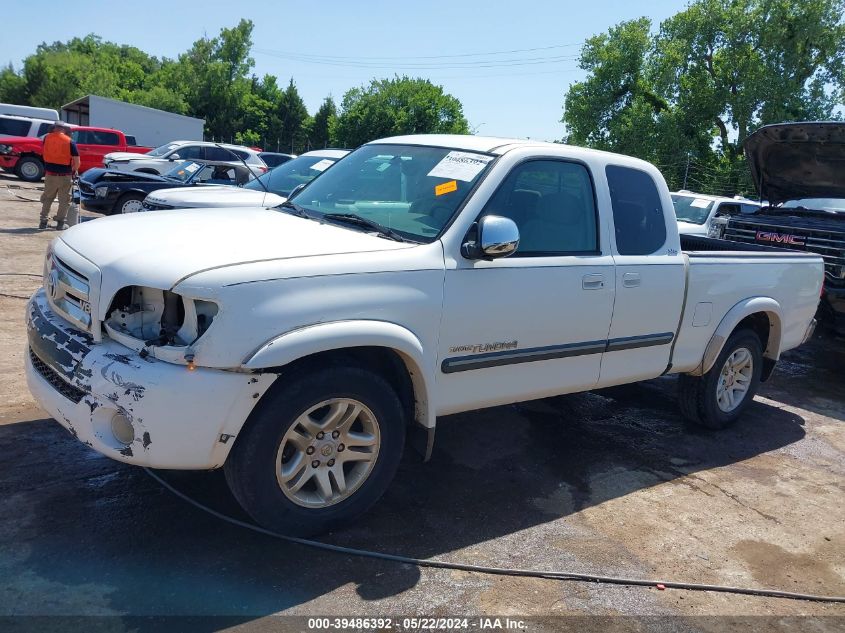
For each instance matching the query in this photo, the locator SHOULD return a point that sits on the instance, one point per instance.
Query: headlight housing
(165, 323)
(101, 192)
(5, 149)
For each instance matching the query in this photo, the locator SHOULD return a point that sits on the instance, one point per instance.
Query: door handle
(631, 280)
(592, 282)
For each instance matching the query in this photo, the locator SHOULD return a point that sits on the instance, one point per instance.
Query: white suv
(161, 158)
(14, 125)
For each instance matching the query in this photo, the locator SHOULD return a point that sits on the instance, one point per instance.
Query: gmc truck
(296, 347)
(23, 155)
(799, 168)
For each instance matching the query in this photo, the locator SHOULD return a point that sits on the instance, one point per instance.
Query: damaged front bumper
(136, 410)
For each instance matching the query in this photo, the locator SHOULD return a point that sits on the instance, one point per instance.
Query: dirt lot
(611, 482)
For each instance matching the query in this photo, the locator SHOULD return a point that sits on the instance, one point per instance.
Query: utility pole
(686, 173)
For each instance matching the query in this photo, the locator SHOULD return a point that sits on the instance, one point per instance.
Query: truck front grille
(74, 394)
(829, 244)
(69, 293)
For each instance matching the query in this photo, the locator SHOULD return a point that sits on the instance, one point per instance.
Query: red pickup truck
(22, 155)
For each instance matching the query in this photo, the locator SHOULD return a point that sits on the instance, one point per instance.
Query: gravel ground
(611, 482)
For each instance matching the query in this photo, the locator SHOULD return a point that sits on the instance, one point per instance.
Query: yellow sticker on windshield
(446, 187)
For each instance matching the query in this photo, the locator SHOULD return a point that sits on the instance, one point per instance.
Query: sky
(330, 46)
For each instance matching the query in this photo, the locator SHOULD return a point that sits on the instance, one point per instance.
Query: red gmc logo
(779, 238)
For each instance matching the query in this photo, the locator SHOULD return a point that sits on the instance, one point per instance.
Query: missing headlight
(159, 318)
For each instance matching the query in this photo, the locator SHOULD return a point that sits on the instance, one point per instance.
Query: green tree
(691, 94)
(397, 106)
(323, 122)
(293, 116)
(12, 86)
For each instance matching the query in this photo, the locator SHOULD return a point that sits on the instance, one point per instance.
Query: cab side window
(190, 152)
(552, 204)
(637, 211)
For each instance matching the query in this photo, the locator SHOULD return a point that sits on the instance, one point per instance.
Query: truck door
(650, 279)
(93, 145)
(535, 323)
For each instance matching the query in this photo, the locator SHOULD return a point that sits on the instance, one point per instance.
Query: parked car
(110, 191)
(13, 125)
(420, 276)
(23, 155)
(697, 213)
(159, 160)
(269, 190)
(274, 159)
(800, 169)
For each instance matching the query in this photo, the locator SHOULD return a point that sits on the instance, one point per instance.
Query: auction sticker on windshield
(460, 166)
(323, 165)
(446, 187)
(700, 203)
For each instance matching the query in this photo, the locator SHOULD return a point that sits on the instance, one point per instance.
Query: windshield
(836, 205)
(410, 189)
(183, 170)
(299, 171)
(691, 209)
(162, 149)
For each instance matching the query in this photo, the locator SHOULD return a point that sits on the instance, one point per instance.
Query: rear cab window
(640, 226)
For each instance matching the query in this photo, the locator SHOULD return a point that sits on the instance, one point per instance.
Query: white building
(149, 126)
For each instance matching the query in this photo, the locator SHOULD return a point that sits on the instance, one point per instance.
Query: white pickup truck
(421, 276)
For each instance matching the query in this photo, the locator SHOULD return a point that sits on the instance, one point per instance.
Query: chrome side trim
(551, 352)
(513, 357)
(633, 342)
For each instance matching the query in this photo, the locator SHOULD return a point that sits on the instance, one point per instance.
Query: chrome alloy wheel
(327, 453)
(734, 379)
(133, 205)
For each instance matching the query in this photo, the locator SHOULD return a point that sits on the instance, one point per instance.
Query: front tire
(129, 203)
(318, 451)
(717, 399)
(30, 169)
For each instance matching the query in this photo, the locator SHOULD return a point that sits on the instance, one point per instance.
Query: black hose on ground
(499, 571)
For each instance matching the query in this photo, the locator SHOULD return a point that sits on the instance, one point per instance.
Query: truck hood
(161, 249)
(798, 160)
(131, 156)
(215, 196)
(11, 140)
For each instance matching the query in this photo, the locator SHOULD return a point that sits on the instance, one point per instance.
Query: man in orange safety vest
(61, 163)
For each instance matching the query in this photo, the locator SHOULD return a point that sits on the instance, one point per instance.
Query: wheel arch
(390, 349)
(760, 314)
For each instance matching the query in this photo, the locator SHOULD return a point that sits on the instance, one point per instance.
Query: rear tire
(717, 399)
(285, 474)
(30, 169)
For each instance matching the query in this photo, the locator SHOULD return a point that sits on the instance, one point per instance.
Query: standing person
(61, 163)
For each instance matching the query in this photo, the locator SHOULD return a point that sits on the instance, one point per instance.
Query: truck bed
(698, 245)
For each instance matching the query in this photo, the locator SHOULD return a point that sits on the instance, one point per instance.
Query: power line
(486, 63)
(412, 57)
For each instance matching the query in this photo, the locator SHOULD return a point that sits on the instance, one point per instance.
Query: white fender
(744, 308)
(324, 337)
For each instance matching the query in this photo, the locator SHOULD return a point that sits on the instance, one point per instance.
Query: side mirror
(173, 157)
(497, 237)
(296, 190)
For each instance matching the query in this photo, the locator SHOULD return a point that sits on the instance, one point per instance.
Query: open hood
(798, 160)
(98, 175)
